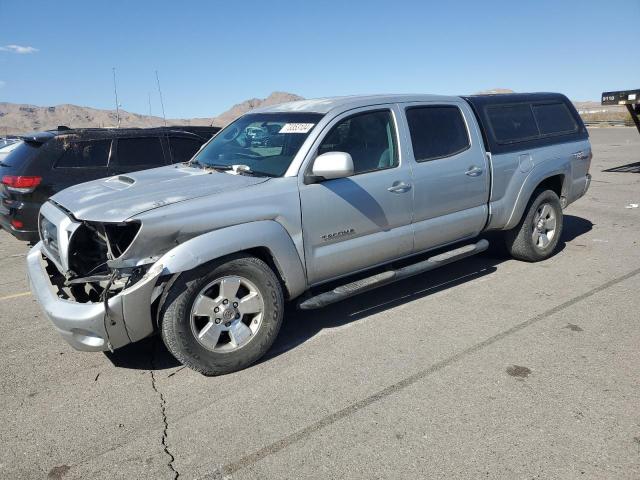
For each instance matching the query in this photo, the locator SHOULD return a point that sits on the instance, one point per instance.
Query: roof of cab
(325, 105)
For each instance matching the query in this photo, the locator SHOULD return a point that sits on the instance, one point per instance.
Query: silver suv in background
(335, 192)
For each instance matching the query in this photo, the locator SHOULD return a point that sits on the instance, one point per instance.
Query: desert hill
(20, 118)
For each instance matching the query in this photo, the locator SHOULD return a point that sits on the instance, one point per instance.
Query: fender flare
(267, 234)
(535, 178)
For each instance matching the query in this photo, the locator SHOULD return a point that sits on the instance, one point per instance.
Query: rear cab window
(437, 131)
(522, 121)
(554, 119)
(513, 123)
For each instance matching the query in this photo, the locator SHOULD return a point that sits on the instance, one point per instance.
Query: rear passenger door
(137, 153)
(450, 173)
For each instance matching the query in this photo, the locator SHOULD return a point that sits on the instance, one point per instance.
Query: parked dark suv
(48, 162)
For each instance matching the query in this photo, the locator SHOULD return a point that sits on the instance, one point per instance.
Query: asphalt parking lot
(489, 368)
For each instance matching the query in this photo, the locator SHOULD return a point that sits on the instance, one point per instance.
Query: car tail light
(17, 224)
(21, 184)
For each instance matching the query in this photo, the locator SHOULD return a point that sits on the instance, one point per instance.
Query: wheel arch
(264, 239)
(554, 180)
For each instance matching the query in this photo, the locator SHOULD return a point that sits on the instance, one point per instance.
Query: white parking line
(15, 295)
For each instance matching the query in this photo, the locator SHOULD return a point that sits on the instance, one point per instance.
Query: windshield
(264, 142)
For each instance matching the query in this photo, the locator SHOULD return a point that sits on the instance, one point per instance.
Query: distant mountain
(241, 108)
(20, 118)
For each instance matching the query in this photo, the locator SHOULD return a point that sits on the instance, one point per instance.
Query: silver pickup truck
(313, 200)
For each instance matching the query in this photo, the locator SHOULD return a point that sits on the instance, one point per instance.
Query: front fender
(267, 234)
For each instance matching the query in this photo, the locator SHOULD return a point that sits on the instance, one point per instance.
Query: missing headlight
(120, 236)
(94, 244)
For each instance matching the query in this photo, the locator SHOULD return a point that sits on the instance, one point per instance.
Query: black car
(48, 162)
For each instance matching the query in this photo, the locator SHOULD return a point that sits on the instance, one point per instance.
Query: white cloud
(19, 49)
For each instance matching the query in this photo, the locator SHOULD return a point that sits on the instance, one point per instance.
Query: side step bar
(384, 278)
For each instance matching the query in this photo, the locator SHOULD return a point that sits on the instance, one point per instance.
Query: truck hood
(118, 198)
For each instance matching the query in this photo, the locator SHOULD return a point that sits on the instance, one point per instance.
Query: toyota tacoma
(337, 197)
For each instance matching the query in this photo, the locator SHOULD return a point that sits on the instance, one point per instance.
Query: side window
(182, 149)
(512, 123)
(437, 132)
(369, 138)
(554, 118)
(85, 154)
(140, 152)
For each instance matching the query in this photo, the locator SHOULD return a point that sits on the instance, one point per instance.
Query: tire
(189, 324)
(527, 240)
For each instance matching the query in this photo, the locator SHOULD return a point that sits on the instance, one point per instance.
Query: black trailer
(630, 98)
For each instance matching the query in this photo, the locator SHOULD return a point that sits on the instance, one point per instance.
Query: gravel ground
(487, 368)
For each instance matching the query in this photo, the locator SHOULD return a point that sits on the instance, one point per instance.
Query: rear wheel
(536, 237)
(221, 318)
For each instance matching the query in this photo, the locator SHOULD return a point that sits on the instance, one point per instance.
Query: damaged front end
(95, 300)
(94, 249)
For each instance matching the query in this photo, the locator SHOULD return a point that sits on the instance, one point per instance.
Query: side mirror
(332, 165)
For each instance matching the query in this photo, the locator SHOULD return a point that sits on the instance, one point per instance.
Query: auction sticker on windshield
(296, 127)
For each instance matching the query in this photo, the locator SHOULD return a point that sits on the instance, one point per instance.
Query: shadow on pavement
(147, 354)
(299, 326)
(629, 168)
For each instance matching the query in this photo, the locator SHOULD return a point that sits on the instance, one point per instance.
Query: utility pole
(161, 102)
(149, 93)
(115, 91)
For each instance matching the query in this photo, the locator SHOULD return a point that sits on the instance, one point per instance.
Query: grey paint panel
(164, 228)
(515, 181)
(118, 198)
(216, 244)
(449, 228)
(355, 222)
(450, 204)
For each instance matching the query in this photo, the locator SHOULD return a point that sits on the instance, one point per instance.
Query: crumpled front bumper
(86, 326)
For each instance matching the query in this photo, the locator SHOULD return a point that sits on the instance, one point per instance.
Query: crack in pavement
(332, 418)
(163, 404)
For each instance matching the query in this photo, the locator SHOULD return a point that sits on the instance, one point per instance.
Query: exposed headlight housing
(94, 244)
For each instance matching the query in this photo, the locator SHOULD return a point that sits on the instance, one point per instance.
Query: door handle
(399, 187)
(473, 171)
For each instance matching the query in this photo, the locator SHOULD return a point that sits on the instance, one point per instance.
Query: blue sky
(213, 54)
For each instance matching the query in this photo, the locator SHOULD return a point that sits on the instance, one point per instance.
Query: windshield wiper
(216, 166)
(237, 169)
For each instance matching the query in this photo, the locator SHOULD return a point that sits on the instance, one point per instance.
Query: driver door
(350, 224)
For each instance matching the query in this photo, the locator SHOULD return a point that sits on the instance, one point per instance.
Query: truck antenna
(115, 91)
(161, 102)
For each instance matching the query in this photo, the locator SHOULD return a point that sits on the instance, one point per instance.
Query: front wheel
(220, 318)
(537, 235)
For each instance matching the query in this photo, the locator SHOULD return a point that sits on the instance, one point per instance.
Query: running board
(384, 278)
